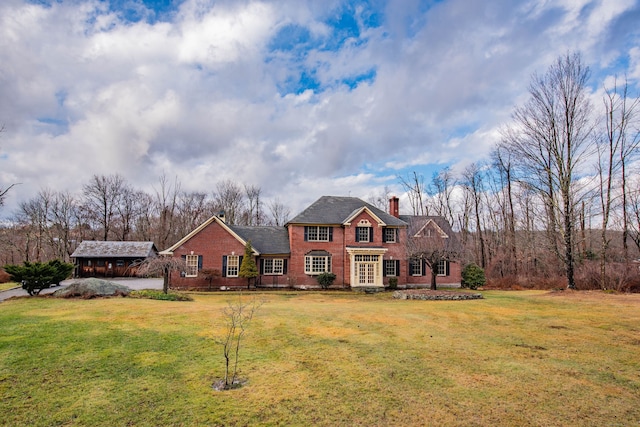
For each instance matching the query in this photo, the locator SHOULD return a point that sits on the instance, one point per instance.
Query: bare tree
(101, 200)
(427, 242)
(442, 186)
(166, 202)
(616, 145)
(381, 199)
(161, 265)
(415, 188)
(236, 316)
(279, 212)
(474, 185)
(254, 205)
(550, 138)
(4, 191)
(229, 198)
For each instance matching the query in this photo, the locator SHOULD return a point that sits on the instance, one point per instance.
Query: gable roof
(265, 239)
(102, 249)
(340, 210)
(418, 222)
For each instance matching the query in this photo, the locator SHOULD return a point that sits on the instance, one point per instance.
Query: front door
(367, 269)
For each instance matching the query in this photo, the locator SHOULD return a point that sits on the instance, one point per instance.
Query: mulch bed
(429, 295)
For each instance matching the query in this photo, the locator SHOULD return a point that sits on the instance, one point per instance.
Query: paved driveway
(131, 282)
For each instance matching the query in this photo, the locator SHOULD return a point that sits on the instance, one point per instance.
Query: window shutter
(357, 234)
(410, 267)
(199, 262)
(384, 235)
(331, 234)
(446, 268)
(261, 266)
(224, 266)
(397, 268)
(384, 268)
(397, 235)
(284, 267)
(306, 233)
(424, 267)
(371, 234)
(239, 263)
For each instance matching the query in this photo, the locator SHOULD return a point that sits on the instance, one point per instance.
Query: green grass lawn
(335, 358)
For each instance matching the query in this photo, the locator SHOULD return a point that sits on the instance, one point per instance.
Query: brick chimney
(394, 209)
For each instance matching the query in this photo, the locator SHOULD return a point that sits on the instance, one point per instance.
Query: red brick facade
(214, 241)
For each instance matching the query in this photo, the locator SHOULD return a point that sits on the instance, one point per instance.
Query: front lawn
(334, 358)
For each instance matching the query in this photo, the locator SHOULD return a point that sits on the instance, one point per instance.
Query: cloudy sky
(301, 97)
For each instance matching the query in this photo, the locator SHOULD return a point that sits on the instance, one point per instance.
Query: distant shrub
(36, 276)
(473, 276)
(159, 295)
(393, 283)
(326, 279)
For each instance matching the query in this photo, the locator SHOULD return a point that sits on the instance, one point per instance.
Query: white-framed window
(233, 265)
(273, 266)
(415, 267)
(317, 233)
(442, 267)
(390, 268)
(317, 264)
(390, 235)
(363, 234)
(192, 265)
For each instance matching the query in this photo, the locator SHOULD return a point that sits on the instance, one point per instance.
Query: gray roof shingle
(265, 239)
(336, 210)
(101, 249)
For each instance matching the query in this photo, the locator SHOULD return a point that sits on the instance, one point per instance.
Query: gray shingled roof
(101, 249)
(336, 209)
(266, 240)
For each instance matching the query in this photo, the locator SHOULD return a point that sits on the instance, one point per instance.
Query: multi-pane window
(442, 267)
(363, 234)
(314, 264)
(366, 258)
(415, 267)
(390, 268)
(390, 235)
(192, 265)
(317, 233)
(233, 265)
(273, 266)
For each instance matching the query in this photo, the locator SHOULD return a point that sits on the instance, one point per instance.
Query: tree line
(560, 191)
(52, 224)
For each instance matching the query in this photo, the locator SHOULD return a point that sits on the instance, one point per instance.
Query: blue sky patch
(366, 77)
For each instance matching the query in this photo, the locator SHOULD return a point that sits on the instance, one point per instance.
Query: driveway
(135, 283)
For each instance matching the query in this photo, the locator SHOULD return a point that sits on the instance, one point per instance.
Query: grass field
(336, 358)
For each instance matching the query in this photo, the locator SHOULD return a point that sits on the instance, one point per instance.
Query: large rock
(92, 288)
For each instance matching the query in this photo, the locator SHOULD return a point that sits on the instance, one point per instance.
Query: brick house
(361, 244)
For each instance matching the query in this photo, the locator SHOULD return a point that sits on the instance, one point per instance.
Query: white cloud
(202, 97)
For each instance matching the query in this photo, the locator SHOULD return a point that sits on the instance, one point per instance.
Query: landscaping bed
(429, 295)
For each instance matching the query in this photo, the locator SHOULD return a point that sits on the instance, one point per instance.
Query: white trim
(437, 227)
(198, 229)
(378, 265)
(353, 216)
